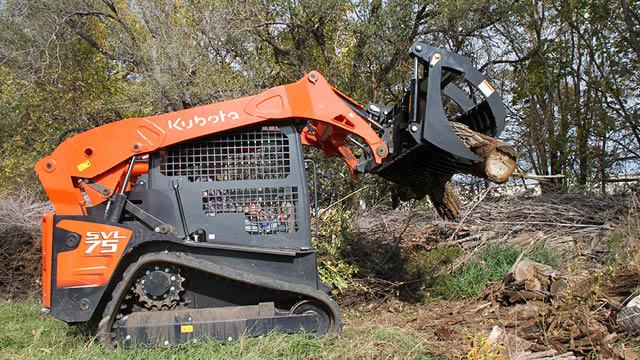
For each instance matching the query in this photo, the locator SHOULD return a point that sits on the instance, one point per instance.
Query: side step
(171, 327)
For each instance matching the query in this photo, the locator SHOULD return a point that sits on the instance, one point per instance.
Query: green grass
(544, 255)
(25, 333)
(491, 264)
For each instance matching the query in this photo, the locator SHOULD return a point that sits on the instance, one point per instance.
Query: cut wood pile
(529, 280)
(574, 315)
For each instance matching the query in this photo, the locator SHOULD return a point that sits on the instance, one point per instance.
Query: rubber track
(108, 316)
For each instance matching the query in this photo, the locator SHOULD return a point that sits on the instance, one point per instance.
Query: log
(441, 194)
(444, 199)
(499, 159)
(529, 280)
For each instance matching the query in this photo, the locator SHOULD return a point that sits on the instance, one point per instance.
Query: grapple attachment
(421, 139)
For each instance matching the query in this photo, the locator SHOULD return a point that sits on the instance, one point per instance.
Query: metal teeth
(169, 300)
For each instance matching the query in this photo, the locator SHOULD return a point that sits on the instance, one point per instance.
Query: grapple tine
(461, 99)
(435, 125)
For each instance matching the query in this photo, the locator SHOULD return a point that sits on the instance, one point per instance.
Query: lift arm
(98, 159)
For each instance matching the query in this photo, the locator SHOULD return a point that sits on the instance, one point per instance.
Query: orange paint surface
(47, 238)
(95, 259)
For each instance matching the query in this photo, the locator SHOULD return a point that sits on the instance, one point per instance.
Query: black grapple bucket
(421, 140)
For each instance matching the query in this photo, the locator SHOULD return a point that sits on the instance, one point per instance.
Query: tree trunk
(444, 199)
(441, 194)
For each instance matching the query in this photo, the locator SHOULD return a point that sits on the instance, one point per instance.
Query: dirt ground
(454, 329)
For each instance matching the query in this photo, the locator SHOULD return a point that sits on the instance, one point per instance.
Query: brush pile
(20, 245)
(570, 223)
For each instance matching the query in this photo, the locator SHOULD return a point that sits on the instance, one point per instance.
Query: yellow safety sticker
(84, 165)
(486, 88)
(186, 328)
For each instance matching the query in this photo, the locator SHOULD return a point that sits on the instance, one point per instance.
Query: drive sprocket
(159, 287)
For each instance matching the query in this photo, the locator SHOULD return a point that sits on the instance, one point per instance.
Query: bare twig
(468, 212)
(341, 200)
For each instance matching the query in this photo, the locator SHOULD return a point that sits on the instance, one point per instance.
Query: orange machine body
(92, 263)
(100, 157)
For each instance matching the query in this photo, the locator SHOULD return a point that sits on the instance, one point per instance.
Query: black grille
(267, 210)
(420, 164)
(258, 154)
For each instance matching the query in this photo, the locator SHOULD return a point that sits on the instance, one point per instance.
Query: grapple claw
(423, 141)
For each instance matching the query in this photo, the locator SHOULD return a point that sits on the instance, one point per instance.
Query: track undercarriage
(156, 304)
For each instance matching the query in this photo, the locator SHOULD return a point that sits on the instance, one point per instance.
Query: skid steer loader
(196, 223)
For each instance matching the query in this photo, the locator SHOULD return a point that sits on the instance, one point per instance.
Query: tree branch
(633, 34)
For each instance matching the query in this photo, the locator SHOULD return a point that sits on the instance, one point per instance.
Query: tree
(568, 70)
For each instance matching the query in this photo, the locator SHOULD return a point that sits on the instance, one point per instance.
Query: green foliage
(544, 255)
(426, 264)
(331, 247)
(615, 240)
(336, 273)
(570, 74)
(35, 112)
(492, 264)
(27, 334)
